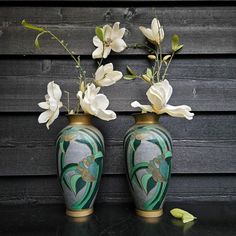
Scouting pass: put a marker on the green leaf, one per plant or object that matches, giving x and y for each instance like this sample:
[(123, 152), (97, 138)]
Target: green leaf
[(73, 182), (144, 181), (29, 26), (129, 77), (140, 165), (149, 73), (131, 71), (175, 42), (179, 47), (99, 33), (98, 155), (181, 214), (150, 185), (168, 154), (36, 42)]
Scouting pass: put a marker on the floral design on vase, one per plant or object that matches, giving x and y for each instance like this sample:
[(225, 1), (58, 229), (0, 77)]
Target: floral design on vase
[(148, 149), (80, 151)]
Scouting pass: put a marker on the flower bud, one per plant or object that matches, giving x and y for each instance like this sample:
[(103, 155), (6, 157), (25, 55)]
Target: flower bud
[(146, 78), (82, 87), (152, 57)]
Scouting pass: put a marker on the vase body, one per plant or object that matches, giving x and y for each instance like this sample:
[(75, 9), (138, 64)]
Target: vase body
[(148, 152), (80, 151)]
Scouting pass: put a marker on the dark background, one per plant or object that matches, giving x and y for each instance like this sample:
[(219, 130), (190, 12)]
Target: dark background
[(203, 76)]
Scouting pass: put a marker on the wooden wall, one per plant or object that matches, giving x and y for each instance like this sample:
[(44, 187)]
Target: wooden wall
[(203, 76)]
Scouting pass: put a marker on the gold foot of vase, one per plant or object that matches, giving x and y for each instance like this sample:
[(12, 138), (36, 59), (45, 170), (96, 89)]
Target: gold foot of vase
[(153, 213), (80, 213)]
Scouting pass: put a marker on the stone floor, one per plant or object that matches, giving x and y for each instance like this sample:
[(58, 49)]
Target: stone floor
[(118, 219)]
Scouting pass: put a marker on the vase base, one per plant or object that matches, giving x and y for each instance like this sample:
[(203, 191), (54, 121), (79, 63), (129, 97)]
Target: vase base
[(80, 213), (153, 213)]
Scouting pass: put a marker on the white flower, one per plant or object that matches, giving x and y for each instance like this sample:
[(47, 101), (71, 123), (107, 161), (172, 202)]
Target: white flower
[(52, 104), (106, 76), (112, 41), (159, 94), (155, 34), (95, 104)]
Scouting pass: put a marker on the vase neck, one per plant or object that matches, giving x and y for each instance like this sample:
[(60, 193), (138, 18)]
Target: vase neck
[(146, 118), (83, 119)]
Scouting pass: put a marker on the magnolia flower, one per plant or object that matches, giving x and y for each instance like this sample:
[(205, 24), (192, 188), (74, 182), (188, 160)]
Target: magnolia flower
[(155, 34), (52, 104), (95, 104), (106, 76), (159, 94), (112, 41)]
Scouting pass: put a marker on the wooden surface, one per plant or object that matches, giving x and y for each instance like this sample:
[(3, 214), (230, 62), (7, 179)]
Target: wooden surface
[(203, 76), (118, 219), (194, 25), (206, 84)]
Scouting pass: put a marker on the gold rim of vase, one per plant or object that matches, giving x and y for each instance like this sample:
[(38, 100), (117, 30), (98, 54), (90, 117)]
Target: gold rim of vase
[(146, 118), (153, 213), (80, 213), (80, 119)]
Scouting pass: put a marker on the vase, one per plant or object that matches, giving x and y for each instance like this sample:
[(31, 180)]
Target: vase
[(80, 151), (148, 153)]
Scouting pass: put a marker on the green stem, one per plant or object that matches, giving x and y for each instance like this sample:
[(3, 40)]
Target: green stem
[(156, 65), (166, 69), (141, 46), (64, 46), (160, 64), (77, 62), (68, 101)]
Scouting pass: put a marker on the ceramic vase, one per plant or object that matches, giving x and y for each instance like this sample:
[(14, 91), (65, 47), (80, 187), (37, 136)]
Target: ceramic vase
[(148, 153), (80, 151)]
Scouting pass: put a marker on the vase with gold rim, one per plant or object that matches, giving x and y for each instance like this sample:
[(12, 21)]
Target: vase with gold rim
[(148, 153), (80, 152)]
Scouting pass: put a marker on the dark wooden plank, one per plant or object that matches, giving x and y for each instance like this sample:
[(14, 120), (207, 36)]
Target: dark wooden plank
[(44, 190), (204, 145), (204, 84), (215, 26), (115, 1)]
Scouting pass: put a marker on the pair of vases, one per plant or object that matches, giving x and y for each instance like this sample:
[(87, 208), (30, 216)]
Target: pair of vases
[(148, 152)]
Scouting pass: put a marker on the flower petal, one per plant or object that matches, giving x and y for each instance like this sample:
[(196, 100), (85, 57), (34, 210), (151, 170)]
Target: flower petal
[(108, 67), (107, 32), (118, 45), (155, 98), (155, 27), (97, 53), (97, 42), (106, 114), (91, 91), (178, 111), (100, 102), (54, 90), (53, 104), (145, 108), (106, 52), (44, 116), (117, 32), (147, 33), (111, 78), (52, 118), (168, 89), (43, 105), (99, 74)]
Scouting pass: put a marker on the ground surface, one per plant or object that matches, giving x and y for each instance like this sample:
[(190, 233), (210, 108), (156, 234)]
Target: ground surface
[(118, 219)]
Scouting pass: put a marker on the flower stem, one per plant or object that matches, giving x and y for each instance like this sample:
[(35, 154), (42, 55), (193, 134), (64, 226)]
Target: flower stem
[(77, 62), (160, 64), (68, 101), (167, 67)]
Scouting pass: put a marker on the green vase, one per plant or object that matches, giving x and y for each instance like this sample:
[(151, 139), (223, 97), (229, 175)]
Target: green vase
[(148, 152), (80, 151)]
